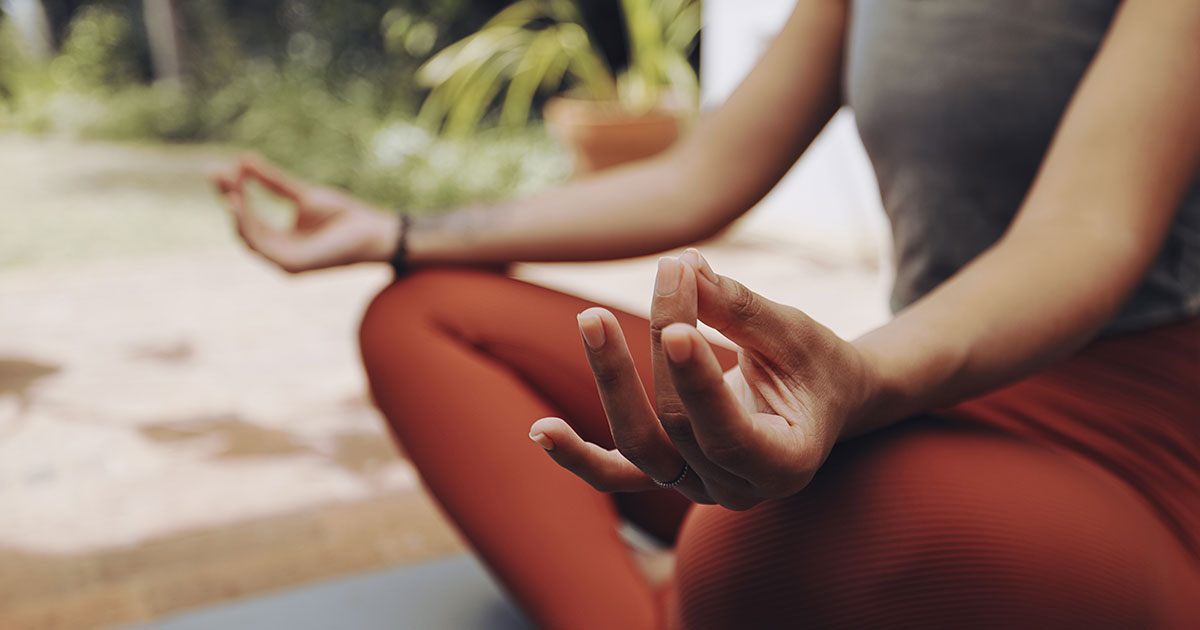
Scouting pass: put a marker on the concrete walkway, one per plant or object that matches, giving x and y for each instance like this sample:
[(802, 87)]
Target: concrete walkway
[(181, 424)]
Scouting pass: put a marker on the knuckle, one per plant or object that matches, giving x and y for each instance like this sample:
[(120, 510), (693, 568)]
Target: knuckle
[(744, 304), (671, 410), (680, 433), (660, 318), (657, 323), (637, 451), (605, 375)]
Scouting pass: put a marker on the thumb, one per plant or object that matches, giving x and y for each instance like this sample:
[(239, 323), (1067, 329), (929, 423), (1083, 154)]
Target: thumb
[(745, 317)]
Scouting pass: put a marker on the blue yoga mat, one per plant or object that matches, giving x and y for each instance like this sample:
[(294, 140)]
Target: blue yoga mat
[(451, 594)]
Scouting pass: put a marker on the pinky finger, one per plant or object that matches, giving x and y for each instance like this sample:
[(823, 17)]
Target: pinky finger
[(604, 470)]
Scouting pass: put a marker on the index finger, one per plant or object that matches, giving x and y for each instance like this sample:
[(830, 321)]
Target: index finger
[(674, 302), (274, 178), (225, 179), (727, 434)]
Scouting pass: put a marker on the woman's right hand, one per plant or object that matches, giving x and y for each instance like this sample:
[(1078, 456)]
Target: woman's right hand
[(331, 228)]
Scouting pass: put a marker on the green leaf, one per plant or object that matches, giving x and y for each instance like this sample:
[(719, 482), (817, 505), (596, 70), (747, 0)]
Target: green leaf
[(518, 50), (530, 73), (477, 92), (681, 31), (586, 63)]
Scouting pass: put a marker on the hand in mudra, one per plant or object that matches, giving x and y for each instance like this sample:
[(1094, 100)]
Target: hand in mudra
[(756, 433), (331, 227)]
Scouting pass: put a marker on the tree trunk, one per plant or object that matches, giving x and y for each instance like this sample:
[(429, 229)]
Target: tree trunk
[(164, 35)]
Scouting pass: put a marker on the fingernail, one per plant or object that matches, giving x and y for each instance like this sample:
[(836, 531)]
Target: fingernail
[(542, 440), (701, 264), (592, 330), (691, 258), (678, 344), (670, 272)]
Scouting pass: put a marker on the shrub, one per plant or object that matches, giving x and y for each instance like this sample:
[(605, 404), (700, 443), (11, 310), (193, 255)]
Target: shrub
[(324, 88)]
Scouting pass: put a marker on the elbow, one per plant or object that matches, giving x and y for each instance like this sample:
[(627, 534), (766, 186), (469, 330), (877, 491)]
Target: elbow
[(712, 200), (707, 219), (711, 227)]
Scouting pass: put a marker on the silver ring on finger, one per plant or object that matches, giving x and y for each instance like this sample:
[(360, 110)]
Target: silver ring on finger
[(674, 482)]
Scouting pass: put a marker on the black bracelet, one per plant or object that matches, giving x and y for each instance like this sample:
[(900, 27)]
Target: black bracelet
[(399, 259)]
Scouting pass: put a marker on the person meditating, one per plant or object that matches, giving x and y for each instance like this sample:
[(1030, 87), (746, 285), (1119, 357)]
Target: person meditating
[(1018, 447)]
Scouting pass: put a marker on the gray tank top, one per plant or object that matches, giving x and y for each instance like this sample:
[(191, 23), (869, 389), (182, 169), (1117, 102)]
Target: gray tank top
[(956, 102)]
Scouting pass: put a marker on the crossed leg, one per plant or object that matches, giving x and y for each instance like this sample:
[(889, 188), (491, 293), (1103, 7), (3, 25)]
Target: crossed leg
[(925, 524), (935, 525)]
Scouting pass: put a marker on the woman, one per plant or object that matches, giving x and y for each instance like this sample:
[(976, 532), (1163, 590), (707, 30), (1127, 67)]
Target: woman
[(1019, 446)]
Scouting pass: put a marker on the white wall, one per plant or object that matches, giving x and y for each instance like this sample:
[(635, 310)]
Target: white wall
[(828, 203)]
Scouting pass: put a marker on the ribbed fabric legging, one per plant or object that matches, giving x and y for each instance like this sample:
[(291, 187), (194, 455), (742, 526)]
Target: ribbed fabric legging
[(1071, 499)]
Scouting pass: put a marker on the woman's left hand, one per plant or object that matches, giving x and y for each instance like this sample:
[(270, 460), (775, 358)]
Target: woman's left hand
[(759, 432)]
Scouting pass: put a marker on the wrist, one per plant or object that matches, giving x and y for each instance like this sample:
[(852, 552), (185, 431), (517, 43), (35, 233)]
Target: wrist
[(879, 395), (384, 237)]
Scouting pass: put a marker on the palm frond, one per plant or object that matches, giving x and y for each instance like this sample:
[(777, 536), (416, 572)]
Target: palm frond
[(535, 45)]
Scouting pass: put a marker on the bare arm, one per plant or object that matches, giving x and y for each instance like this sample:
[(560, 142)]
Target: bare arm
[(1128, 148), (709, 178), (1091, 226), (692, 191)]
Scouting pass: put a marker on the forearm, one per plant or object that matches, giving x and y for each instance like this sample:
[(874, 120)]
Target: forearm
[(632, 210), (1030, 300)]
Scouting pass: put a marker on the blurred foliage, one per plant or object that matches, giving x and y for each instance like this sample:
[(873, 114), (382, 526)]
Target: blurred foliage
[(95, 53), (324, 87), (534, 45)]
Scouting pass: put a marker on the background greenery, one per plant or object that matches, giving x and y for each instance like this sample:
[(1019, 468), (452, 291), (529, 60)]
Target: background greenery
[(324, 87)]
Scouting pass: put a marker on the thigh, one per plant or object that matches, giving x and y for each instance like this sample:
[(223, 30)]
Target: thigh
[(928, 524)]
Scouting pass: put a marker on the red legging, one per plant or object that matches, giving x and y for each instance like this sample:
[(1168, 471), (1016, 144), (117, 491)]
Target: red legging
[(1071, 499)]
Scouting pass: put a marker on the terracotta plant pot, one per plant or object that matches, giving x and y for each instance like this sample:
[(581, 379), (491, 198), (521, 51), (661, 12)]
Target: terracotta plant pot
[(604, 134)]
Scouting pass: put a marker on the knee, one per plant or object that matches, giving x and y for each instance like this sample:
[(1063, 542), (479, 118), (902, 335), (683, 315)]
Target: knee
[(400, 308)]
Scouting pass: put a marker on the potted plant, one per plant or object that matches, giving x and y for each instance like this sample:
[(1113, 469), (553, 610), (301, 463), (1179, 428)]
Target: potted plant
[(535, 45)]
